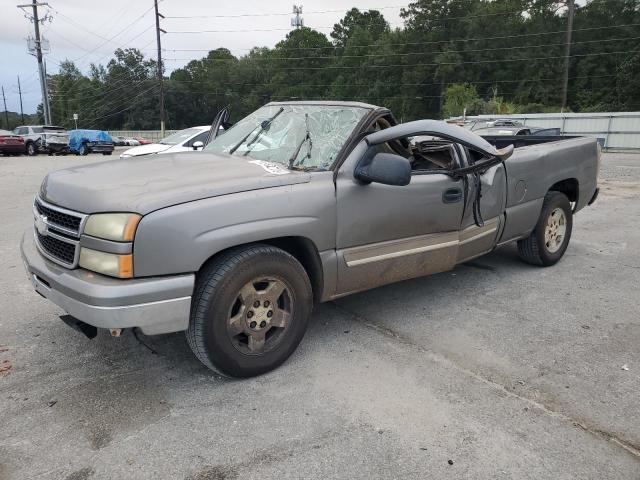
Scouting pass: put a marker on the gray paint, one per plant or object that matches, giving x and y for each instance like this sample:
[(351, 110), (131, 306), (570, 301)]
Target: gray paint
[(441, 129), (99, 290), (198, 204), (108, 246), (181, 238), (147, 183), (156, 305)]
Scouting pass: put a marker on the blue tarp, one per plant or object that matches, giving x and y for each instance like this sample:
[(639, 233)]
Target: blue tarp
[(78, 137)]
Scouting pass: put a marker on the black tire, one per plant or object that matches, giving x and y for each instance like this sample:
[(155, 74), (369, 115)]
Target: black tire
[(106, 153), (533, 249), (31, 149), (217, 288), (83, 150)]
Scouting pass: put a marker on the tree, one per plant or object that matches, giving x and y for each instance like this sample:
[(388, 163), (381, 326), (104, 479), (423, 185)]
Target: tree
[(371, 20), (459, 97)]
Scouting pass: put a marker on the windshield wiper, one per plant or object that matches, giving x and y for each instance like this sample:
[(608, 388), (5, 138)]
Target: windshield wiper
[(307, 138), (264, 125)]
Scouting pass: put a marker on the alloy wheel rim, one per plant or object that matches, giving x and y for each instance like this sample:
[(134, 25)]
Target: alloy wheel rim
[(260, 315), (555, 230)]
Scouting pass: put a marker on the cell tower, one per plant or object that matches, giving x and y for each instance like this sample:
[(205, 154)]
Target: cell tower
[(297, 21)]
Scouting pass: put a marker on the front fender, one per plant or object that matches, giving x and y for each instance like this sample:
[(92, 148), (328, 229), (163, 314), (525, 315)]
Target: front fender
[(179, 239)]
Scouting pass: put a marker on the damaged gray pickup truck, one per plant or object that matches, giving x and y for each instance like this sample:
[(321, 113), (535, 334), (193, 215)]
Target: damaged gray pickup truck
[(297, 203)]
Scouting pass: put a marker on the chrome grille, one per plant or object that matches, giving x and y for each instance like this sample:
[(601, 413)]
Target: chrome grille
[(58, 217), (65, 252), (57, 232)]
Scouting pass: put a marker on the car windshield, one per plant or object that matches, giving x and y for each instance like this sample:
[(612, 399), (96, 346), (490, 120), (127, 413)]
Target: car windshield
[(294, 135), (181, 136)]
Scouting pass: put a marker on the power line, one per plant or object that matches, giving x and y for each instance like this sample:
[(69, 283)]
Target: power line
[(395, 85), (242, 15), (470, 62), (128, 100), (316, 12), (432, 42), (105, 39), (405, 54)]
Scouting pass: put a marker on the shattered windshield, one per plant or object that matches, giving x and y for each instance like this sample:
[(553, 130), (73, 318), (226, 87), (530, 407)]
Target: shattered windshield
[(303, 136)]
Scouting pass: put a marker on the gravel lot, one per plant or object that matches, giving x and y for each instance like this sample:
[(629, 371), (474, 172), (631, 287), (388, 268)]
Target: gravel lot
[(497, 370)]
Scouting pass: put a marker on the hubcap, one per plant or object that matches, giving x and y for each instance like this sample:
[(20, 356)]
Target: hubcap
[(260, 314), (555, 230)]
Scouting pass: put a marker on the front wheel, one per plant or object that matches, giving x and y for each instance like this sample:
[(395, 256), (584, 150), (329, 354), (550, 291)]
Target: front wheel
[(550, 238), (83, 150), (250, 310)]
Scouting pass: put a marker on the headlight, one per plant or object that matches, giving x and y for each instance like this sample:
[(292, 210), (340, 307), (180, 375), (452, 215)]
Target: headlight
[(120, 227), (120, 266)]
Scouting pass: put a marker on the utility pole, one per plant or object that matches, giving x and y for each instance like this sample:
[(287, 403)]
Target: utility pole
[(160, 81), (297, 21), (38, 48), (567, 52), (46, 86), (20, 93), (6, 115)]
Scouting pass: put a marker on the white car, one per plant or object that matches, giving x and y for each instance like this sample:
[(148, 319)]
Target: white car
[(131, 142), (43, 138), (182, 141)]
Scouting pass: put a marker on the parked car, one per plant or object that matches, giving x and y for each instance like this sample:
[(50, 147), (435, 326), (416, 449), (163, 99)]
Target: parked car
[(143, 141), (119, 141), (11, 144), (182, 141), (131, 142), (83, 142), (509, 127), (43, 138), (298, 203)]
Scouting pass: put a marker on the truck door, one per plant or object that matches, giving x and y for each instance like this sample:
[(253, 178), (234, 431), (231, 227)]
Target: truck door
[(476, 240), (389, 233)]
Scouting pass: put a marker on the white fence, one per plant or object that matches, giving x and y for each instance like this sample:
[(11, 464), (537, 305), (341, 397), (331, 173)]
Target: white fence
[(153, 135), (619, 130)]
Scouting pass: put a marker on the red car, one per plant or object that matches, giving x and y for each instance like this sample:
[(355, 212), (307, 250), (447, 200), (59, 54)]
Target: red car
[(143, 141), (11, 144)]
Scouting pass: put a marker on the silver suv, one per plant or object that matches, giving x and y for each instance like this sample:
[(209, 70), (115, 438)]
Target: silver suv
[(43, 138)]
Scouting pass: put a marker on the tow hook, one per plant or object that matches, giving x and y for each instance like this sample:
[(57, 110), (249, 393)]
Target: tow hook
[(115, 332)]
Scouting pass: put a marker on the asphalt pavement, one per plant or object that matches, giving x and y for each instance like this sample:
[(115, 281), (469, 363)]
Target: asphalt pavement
[(497, 370)]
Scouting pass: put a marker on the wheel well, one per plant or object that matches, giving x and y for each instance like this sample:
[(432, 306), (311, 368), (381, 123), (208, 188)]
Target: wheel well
[(569, 187), (303, 250)]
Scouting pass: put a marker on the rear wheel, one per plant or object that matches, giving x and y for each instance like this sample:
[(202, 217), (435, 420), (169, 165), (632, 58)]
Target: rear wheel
[(32, 150), (550, 238), (250, 310), (83, 150)]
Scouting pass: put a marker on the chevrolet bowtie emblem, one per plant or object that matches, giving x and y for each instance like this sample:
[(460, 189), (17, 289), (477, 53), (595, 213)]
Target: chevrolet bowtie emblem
[(41, 225)]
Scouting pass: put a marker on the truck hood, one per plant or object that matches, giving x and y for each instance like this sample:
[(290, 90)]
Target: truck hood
[(146, 149), (148, 183)]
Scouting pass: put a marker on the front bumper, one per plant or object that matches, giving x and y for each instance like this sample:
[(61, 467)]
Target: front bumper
[(156, 305)]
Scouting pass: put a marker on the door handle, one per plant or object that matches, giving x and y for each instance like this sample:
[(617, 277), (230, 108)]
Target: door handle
[(452, 195)]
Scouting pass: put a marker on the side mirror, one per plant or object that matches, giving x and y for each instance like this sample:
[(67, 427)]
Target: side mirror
[(197, 145), (385, 168)]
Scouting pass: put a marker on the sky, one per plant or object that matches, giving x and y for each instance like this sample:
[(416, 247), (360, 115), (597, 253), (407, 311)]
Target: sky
[(89, 31)]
